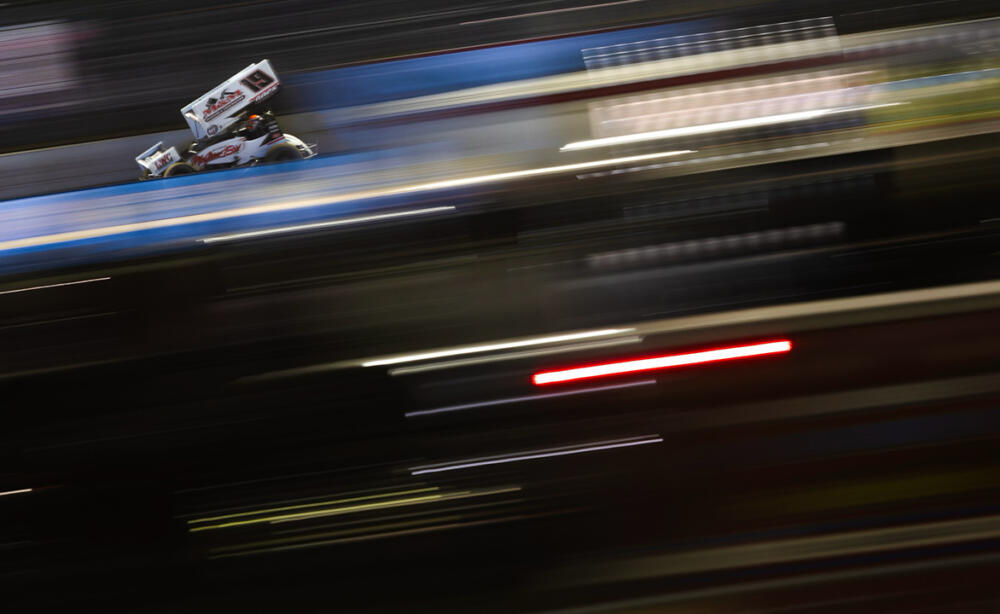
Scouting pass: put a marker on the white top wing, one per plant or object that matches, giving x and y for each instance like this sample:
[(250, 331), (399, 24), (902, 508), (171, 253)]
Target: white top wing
[(215, 111)]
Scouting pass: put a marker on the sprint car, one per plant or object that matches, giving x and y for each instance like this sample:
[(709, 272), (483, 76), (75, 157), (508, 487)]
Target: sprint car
[(232, 126)]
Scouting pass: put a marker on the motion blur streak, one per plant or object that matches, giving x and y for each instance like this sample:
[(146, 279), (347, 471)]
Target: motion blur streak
[(441, 524), (15, 492), (822, 546), (449, 364), (92, 233), (328, 512), (532, 397), (595, 446), (464, 362), (352, 509), (67, 283), (661, 362), (553, 11), (317, 539), (307, 505), (735, 124), (351, 220), (475, 349), (451, 496), (534, 172)]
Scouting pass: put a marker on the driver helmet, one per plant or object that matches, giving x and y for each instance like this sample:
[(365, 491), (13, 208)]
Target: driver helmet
[(254, 122)]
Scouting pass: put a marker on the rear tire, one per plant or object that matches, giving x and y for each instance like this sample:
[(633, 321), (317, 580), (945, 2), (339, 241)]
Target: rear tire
[(178, 168), (283, 152)]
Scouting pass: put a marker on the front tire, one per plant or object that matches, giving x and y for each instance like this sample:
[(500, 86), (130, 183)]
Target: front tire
[(283, 152), (178, 168)]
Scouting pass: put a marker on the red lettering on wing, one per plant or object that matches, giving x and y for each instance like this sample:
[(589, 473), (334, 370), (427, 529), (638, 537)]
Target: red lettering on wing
[(222, 104), (211, 156)]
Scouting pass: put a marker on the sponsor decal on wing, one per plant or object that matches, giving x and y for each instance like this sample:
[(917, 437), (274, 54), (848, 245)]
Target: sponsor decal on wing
[(210, 156), (228, 99)]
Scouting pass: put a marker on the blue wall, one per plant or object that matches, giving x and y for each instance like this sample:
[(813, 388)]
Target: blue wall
[(421, 76)]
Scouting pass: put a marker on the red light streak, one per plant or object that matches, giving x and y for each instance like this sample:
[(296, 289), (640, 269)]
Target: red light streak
[(661, 362)]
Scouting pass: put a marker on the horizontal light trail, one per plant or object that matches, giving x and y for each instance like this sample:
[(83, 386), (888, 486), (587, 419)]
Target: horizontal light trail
[(15, 492), (351, 509), (341, 222), (301, 506), (314, 538), (551, 12), (769, 321), (67, 283), (596, 446), (787, 551), (306, 203), (545, 170), (480, 360), (661, 362), (475, 349), (741, 156), (736, 124), (378, 505), (444, 523), (443, 497), (531, 397)]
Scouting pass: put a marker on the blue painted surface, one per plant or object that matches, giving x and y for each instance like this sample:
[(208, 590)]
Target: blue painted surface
[(421, 76), (223, 191)]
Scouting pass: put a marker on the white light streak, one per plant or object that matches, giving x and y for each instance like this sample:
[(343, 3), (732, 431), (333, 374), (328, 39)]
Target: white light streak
[(739, 155), (398, 503), (15, 492), (536, 13), (474, 349), (341, 222), (565, 451), (68, 283), (530, 397), (479, 360), (736, 124), (545, 170)]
